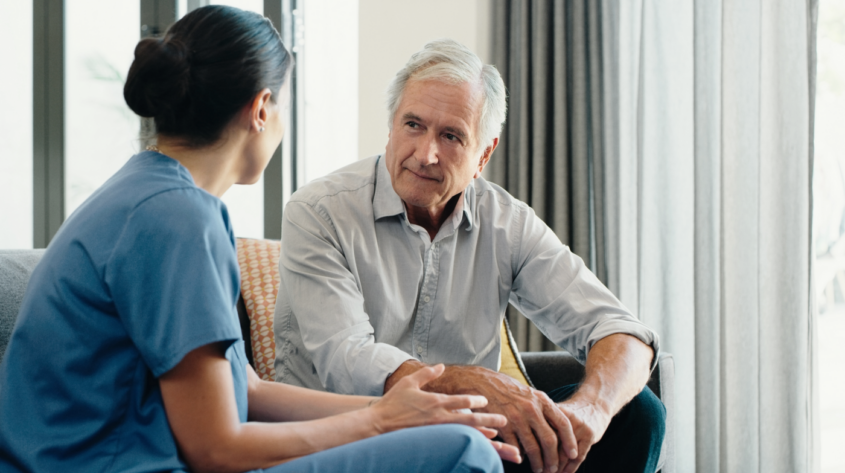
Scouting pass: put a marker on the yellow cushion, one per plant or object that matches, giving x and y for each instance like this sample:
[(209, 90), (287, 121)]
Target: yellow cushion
[(508, 364)]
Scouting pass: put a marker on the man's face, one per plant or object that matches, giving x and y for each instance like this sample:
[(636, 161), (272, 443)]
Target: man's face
[(432, 152)]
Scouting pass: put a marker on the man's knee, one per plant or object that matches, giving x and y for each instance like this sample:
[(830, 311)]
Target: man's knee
[(645, 418)]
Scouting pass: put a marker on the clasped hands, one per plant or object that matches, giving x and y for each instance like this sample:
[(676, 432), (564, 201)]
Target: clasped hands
[(555, 437), (407, 404)]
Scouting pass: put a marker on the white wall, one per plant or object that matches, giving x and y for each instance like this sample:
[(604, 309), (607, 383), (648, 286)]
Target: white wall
[(353, 48), (389, 32), (330, 86)]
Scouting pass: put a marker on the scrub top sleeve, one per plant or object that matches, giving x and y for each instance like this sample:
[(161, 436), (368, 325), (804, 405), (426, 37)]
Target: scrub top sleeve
[(173, 276)]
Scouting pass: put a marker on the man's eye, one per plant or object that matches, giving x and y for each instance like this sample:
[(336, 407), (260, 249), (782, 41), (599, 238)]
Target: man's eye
[(412, 124), (451, 137)]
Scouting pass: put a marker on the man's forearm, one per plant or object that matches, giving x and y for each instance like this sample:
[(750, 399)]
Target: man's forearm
[(617, 369)]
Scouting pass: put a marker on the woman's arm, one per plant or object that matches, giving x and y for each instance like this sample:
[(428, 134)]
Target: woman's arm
[(279, 402), (200, 403)]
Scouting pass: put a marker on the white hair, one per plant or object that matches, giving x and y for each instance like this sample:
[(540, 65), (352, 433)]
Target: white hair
[(452, 62)]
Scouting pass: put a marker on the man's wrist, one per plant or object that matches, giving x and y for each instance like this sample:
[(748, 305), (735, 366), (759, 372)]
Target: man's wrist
[(406, 368), (588, 395)]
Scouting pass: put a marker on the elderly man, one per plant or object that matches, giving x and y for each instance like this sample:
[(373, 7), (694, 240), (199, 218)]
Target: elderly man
[(410, 258)]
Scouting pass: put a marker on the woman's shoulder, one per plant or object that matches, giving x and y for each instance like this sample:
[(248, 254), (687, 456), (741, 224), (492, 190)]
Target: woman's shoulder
[(155, 198), (153, 176), (180, 211), (152, 187)]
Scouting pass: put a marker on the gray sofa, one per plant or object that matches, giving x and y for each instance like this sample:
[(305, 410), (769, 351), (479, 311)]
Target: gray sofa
[(545, 370)]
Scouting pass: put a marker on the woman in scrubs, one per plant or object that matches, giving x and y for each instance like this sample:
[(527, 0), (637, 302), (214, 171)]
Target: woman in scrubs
[(127, 355)]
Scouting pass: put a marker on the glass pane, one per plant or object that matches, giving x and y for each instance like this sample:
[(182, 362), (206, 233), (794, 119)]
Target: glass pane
[(246, 203), (16, 125), (829, 231), (101, 132), (251, 5)]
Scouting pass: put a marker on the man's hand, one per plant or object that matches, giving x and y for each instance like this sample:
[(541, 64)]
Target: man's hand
[(617, 369), (534, 421), (589, 423)]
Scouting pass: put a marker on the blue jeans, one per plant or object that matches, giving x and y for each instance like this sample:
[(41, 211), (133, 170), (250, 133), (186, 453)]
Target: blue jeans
[(431, 449), (631, 443)]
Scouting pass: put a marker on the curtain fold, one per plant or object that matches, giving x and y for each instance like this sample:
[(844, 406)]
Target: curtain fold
[(669, 144), (550, 153), (709, 168)]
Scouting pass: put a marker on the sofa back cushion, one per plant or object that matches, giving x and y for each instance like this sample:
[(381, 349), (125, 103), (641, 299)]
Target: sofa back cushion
[(260, 282), (15, 268), (259, 265)]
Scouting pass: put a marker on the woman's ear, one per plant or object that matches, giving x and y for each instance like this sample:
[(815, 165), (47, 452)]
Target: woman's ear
[(258, 112)]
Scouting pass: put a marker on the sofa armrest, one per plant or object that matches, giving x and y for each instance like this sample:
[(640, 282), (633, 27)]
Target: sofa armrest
[(548, 370), (15, 268), (243, 319), (662, 382)]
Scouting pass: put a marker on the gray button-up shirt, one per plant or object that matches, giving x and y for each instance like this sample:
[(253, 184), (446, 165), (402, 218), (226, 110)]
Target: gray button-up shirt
[(363, 290)]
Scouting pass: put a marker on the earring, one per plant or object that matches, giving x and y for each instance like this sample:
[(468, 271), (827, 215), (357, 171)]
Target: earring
[(260, 129)]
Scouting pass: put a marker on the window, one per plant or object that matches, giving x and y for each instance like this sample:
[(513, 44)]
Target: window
[(246, 203), (101, 132), (250, 5), (16, 211), (829, 231)]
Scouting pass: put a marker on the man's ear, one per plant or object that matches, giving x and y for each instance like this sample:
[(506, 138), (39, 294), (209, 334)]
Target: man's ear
[(485, 157), (258, 110)]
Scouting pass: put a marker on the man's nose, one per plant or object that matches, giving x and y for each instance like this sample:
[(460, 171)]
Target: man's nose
[(427, 152)]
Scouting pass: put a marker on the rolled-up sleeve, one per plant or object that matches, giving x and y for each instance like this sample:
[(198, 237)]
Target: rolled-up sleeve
[(554, 289), (327, 302)]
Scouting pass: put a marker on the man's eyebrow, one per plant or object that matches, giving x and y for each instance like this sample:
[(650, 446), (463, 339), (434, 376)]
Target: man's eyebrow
[(457, 132), (411, 116), (449, 129)]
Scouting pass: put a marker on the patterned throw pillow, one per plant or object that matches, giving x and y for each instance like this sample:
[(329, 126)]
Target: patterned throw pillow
[(259, 263)]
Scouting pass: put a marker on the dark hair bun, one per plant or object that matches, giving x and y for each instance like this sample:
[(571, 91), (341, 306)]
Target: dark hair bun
[(206, 68), (159, 78)]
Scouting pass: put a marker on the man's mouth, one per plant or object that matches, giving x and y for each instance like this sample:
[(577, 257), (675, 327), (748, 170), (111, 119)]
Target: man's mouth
[(423, 176)]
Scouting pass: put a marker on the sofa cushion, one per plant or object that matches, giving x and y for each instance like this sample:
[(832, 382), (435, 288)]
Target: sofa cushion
[(259, 265), (15, 269), (510, 362)]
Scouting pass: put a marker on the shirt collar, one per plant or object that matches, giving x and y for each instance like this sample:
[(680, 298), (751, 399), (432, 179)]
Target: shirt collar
[(387, 203)]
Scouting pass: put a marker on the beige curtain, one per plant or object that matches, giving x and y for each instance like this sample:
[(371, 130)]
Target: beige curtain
[(708, 138), (669, 143), (551, 151)]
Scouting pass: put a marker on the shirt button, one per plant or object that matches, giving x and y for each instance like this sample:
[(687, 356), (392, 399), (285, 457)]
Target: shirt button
[(419, 350), (427, 299)]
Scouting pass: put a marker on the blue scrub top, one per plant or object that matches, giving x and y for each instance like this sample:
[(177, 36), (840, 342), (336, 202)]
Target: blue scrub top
[(141, 274)]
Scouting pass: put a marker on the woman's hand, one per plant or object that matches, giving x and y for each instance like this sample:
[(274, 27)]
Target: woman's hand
[(407, 405)]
